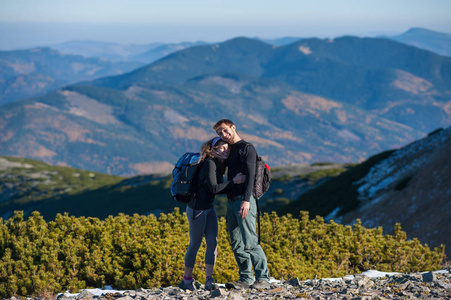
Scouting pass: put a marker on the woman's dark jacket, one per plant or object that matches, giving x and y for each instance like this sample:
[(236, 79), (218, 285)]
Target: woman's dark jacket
[(210, 182)]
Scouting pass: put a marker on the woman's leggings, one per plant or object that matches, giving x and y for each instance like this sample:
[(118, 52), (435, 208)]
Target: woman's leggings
[(205, 223)]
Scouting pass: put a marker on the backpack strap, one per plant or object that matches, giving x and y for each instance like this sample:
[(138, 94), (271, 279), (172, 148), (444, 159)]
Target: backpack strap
[(258, 220)]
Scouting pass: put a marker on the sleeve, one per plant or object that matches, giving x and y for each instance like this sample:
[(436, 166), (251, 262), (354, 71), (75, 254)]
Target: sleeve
[(250, 160), (212, 182)]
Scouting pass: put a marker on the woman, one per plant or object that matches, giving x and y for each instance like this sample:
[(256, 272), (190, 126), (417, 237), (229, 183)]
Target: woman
[(201, 212)]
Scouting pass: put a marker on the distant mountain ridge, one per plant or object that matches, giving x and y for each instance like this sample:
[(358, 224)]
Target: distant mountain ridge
[(163, 50), (27, 73), (19, 85), (315, 100), (142, 53), (434, 41), (105, 50)]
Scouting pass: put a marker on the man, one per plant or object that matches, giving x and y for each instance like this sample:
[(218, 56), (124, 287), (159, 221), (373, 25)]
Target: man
[(242, 211)]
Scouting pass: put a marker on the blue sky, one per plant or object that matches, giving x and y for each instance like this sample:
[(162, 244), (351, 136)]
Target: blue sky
[(27, 23)]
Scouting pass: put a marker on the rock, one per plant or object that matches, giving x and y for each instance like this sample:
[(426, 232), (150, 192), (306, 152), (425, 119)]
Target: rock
[(85, 294), (218, 293), (197, 284), (293, 282), (399, 278), (235, 295), (400, 286), (125, 298), (429, 277), (365, 283), (416, 277)]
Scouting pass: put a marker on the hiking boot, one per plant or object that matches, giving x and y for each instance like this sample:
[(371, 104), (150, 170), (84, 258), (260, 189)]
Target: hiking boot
[(210, 284), (187, 285), (237, 285), (261, 284)]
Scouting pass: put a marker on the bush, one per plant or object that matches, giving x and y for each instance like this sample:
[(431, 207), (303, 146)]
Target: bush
[(41, 258)]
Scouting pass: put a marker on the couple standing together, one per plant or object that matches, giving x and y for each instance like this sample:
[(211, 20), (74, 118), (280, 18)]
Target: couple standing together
[(240, 157)]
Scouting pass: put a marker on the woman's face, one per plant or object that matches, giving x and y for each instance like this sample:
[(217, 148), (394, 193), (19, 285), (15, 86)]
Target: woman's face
[(222, 150)]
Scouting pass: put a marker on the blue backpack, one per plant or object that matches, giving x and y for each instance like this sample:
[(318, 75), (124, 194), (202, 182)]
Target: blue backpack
[(184, 177)]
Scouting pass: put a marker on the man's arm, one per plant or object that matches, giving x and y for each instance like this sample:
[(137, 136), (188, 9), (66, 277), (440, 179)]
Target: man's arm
[(249, 160)]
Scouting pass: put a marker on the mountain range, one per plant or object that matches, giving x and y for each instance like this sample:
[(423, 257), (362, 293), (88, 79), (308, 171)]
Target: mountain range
[(434, 41), (105, 50), (115, 52), (426, 39), (314, 100), (387, 78), (34, 72)]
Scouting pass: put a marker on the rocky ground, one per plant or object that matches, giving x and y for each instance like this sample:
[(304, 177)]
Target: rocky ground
[(358, 287)]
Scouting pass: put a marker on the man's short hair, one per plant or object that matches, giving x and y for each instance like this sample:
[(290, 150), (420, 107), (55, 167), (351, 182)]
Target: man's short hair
[(223, 121)]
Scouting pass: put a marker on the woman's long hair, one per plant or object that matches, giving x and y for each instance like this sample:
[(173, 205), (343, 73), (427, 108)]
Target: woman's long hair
[(206, 150)]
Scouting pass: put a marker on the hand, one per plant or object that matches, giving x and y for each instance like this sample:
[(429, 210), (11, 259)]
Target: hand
[(244, 208), (239, 178)]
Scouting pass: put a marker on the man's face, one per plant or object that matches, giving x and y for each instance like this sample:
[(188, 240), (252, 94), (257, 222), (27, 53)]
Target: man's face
[(226, 133)]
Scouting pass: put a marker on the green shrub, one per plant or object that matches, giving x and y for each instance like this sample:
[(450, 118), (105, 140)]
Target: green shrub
[(42, 258)]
